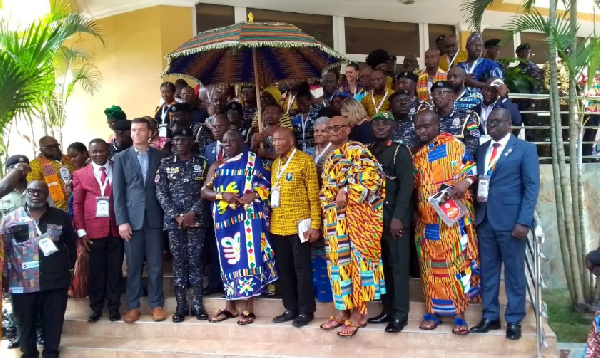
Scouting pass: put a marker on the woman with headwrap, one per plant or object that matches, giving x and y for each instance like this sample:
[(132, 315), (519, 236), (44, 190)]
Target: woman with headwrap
[(478, 69), (113, 114)]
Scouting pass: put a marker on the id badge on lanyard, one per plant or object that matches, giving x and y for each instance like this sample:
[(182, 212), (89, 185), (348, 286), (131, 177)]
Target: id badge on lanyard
[(483, 188), (275, 196), (65, 175), (102, 207)]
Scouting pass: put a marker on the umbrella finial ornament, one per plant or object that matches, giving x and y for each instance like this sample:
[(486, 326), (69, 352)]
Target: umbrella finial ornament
[(250, 17)]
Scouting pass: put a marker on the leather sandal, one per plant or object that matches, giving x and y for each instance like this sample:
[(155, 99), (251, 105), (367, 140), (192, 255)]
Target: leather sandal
[(460, 327), (221, 316), (247, 318), (426, 326), (327, 325), (348, 324)]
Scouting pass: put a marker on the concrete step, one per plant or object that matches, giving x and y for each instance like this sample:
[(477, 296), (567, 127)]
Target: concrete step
[(103, 347), (264, 332), (270, 307)]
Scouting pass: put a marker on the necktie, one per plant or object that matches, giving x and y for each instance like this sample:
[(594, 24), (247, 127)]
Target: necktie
[(103, 175), (221, 153), (495, 147)]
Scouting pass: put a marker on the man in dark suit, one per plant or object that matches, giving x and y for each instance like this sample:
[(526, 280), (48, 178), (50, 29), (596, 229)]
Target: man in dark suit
[(495, 95), (508, 189), (140, 219), (94, 219), (215, 150)]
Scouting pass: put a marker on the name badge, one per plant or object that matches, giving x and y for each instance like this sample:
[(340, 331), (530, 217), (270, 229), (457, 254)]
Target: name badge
[(275, 196), (483, 188), (102, 207), (47, 246), (162, 131), (64, 174)]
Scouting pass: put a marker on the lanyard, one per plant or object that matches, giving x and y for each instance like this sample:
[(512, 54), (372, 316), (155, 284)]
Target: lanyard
[(37, 228), (318, 157), (281, 170), (453, 58), (469, 69), (492, 163), (304, 125), (377, 108)]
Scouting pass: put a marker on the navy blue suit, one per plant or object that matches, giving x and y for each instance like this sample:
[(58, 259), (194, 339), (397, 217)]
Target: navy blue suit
[(513, 194), (515, 114), (210, 152)]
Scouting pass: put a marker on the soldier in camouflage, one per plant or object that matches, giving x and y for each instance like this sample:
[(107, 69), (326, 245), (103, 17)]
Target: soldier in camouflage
[(463, 124), (179, 180)]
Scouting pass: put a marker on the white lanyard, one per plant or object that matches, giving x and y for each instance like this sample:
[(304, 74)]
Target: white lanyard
[(281, 170), (453, 58), (37, 228), (377, 108), (484, 116), (105, 184), (304, 125), (165, 110), (290, 103), (318, 157)]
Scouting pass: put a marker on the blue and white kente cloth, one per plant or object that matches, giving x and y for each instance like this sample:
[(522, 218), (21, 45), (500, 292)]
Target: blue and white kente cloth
[(246, 257), (483, 69)]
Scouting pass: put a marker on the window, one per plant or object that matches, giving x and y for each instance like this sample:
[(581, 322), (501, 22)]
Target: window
[(397, 38), (507, 49), (539, 46), (318, 26), (213, 16), (436, 30)]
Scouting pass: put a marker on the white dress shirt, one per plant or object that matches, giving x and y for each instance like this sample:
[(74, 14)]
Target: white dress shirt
[(503, 142)]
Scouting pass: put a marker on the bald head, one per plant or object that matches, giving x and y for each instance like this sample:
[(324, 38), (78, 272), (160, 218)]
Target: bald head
[(427, 126), (283, 141), (457, 76), (432, 59), (50, 148)]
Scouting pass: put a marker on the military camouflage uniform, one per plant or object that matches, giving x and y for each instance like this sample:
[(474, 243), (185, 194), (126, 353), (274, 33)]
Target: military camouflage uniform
[(463, 125), (178, 185)]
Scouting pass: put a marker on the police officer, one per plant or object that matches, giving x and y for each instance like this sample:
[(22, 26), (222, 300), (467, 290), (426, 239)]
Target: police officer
[(179, 180), (397, 164), (181, 118), (463, 124), (405, 128)]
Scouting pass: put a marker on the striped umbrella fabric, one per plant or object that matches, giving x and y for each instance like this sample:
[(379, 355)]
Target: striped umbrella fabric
[(226, 55)]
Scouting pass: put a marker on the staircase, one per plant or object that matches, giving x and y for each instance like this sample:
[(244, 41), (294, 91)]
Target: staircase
[(194, 338)]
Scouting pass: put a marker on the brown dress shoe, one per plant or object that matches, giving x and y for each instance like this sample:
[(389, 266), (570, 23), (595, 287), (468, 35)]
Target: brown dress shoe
[(132, 316), (159, 314)]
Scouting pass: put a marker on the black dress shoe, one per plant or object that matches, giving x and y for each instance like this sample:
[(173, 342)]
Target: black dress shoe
[(114, 316), (382, 318), (395, 326), (94, 316), (302, 320), (513, 331), (15, 342), (485, 326), (200, 314), (286, 316)]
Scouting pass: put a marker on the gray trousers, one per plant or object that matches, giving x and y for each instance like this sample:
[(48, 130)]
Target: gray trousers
[(148, 243)]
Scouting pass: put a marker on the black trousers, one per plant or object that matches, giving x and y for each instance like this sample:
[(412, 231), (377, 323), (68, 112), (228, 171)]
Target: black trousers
[(51, 305), (214, 276), (396, 268), (294, 266), (106, 260)]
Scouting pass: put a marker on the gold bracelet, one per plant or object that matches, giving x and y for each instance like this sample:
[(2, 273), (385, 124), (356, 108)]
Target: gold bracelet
[(219, 196)]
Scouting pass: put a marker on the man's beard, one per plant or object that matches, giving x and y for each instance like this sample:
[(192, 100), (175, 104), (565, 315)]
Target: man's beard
[(36, 205)]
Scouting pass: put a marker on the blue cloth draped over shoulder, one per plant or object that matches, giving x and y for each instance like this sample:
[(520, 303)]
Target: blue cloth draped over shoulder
[(245, 253), (483, 69)]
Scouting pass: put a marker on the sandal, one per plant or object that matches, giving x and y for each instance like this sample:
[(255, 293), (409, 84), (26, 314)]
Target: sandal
[(460, 327), (247, 318), (349, 324), (430, 322), (221, 316), (327, 325)]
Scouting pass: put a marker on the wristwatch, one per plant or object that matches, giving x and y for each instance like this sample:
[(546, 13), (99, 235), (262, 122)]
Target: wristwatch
[(219, 196)]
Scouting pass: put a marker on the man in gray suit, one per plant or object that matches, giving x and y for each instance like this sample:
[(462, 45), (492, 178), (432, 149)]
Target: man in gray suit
[(139, 216)]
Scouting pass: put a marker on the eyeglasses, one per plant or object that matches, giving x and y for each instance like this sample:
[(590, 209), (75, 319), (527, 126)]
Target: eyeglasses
[(335, 128), (496, 122), (51, 146), (34, 192)]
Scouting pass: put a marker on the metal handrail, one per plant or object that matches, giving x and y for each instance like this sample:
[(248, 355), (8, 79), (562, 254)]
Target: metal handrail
[(535, 282)]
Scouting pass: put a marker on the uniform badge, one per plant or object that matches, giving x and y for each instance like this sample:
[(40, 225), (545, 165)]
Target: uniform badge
[(289, 176), (197, 168), (455, 121), (157, 178)]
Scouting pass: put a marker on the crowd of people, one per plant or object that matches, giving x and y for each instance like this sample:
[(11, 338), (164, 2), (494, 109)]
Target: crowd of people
[(329, 193)]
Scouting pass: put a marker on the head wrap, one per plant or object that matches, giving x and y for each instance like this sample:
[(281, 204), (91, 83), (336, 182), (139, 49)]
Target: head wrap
[(115, 112), (385, 116), (15, 159), (474, 37), (275, 92)]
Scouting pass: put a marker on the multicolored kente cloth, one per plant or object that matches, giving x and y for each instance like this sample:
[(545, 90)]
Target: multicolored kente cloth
[(353, 233), (448, 256), (245, 253), (424, 86), (592, 348), (49, 171)]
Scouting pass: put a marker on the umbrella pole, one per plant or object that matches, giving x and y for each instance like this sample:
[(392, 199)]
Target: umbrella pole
[(258, 104)]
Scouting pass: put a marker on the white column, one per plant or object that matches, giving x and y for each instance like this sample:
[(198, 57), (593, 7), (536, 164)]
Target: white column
[(339, 34), (239, 14), (423, 43), (194, 24), (516, 40)]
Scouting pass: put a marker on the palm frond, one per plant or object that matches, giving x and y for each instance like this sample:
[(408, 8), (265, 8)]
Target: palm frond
[(88, 77), (473, 12)]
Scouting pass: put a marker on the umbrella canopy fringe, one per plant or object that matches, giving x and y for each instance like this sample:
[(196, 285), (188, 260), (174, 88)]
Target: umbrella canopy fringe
[(257, 44)]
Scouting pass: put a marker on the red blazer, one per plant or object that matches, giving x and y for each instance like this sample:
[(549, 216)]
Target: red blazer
[(85, 191)]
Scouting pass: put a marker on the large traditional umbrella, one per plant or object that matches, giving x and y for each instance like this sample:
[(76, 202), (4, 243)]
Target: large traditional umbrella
[(255, 53)]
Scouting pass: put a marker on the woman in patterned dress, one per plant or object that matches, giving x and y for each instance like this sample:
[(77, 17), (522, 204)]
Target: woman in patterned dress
[(239, 189)]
